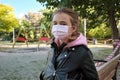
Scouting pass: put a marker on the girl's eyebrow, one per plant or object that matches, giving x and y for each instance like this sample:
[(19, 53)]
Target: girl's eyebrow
[(62, 22)]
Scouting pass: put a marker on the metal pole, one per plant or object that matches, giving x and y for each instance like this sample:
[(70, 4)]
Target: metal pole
[(84, 27), (13, 35)]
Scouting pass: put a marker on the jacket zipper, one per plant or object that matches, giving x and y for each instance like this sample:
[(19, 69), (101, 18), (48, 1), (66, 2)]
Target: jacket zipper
[(64, 61), (53, 75)]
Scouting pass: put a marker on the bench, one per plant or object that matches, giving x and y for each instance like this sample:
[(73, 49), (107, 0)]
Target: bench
[(108, 70), (107, 41)]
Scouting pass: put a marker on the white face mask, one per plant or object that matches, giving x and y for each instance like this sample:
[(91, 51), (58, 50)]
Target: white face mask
[(60, 31)]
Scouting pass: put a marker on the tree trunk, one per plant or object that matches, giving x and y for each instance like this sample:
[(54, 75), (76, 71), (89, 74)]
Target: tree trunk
[(114, 29)]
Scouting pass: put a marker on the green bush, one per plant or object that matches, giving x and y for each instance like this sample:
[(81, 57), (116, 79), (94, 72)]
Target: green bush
[(101, 32)]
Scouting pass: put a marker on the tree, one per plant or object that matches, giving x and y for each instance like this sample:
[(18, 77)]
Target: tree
[(7, 19), (118, 25), (101, 32), (112, 11), (92, 9), (30, 23)]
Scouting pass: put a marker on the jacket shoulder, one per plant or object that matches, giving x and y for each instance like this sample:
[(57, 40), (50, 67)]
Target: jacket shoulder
[(83, 50), (80, 48)]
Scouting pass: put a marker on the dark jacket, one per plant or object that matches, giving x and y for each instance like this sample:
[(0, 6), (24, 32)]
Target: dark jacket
[(75, 63), (70, 63)]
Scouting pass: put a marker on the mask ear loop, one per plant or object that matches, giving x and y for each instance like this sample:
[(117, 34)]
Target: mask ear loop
[(73, 36)]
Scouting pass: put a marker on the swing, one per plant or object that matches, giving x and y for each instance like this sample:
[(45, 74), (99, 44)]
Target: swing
[(21, 39), (43, 39), (40, 39), (46, 39)]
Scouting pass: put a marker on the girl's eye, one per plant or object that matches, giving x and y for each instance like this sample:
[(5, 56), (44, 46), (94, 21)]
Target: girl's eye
[(54, 23), (63, 23), (60, 23)]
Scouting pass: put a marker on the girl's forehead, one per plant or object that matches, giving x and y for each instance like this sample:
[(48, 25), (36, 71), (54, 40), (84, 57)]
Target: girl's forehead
[(61, 16)]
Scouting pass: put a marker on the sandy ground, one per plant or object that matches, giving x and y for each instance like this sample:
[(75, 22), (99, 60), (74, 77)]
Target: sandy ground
[(24, 63)]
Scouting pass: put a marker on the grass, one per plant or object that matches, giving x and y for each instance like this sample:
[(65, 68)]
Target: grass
[(5, 42), (102, 54), (3, 49), (21, 66)]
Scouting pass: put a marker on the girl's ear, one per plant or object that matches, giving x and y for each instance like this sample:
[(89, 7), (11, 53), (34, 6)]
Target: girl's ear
[(74, 28)]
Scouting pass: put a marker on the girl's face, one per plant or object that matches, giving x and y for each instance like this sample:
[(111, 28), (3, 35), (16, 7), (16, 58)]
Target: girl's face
[(64, 19)]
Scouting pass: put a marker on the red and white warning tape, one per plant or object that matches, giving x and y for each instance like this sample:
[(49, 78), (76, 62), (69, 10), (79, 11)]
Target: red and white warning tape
[(110, 56)]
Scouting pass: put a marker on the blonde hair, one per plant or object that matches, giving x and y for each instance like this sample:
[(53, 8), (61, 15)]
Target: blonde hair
[(74, 20)]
